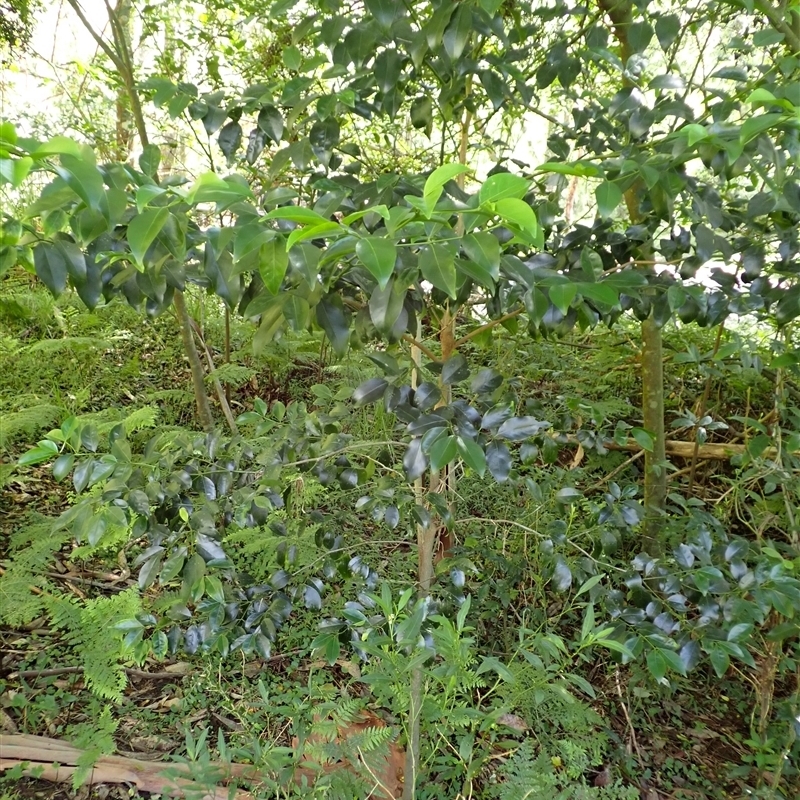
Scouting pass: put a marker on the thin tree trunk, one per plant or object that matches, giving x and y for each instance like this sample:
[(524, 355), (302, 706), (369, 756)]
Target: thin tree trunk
[(204, 415), (655, 472), (121, 57), (620, 14)]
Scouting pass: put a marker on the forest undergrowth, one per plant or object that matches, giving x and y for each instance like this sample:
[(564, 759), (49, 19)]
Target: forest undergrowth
[(523, 700)]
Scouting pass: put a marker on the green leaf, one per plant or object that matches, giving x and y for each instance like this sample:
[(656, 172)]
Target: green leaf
[(378, 255), (62, 466), (656, 664), (599, 292), (498, 459), (436, 181), (273, 260), (437, 265), (15, 170), (472, 453), (582, 169), (292, 57), (150, 159), (44, 451), (608, 196), (644, 439), (422, 113), (442, 452), (519, 214), (84, 179), (326, 228), (298, 214), (142, 231), (502, 185), (271, 122), (668, 27), (230, 139), (562, 295), (384, 11), (51, 267), (455, 370), (210, 188), (331, 318), (457, 35), (386, 305)]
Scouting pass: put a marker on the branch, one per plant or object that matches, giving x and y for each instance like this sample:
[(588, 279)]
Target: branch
[(488, 326), (407, 337)]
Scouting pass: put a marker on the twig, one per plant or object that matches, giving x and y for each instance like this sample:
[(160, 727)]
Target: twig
[(628, 720), (616, 471)]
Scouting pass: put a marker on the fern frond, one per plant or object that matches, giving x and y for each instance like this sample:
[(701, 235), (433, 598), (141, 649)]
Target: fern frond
[(27, 421), (54, 346), (231, 374)]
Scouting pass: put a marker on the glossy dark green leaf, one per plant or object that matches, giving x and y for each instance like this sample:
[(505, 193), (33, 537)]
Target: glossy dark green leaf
[(483, 249), (256, 142), (378, 255), (426, 396), (414, 461), (517, 429), (271, 122), (51, 267), (457, 34), (332, 319), (386, 305), (437, 265), (230, 139), (385, 12), (323, 137), (498, 460), (668, 27), (562, 575), (455, 370), (442, 452), (370, 391), (472, 453), (640, 34), (422, 113), (62, 466), (85, 180)]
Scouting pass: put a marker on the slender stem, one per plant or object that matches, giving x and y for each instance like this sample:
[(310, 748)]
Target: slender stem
[(701, 411), (204, 414)]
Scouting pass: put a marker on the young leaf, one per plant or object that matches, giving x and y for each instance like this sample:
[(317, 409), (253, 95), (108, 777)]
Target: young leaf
[(378, 255), (142, 231), (273, 261), (436, 181), (503, 185), (562, 295), (84, 179), (520, 215)]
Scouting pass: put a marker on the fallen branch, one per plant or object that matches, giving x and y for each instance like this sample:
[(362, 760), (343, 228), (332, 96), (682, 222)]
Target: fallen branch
[(57, 761), (721, 451)]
